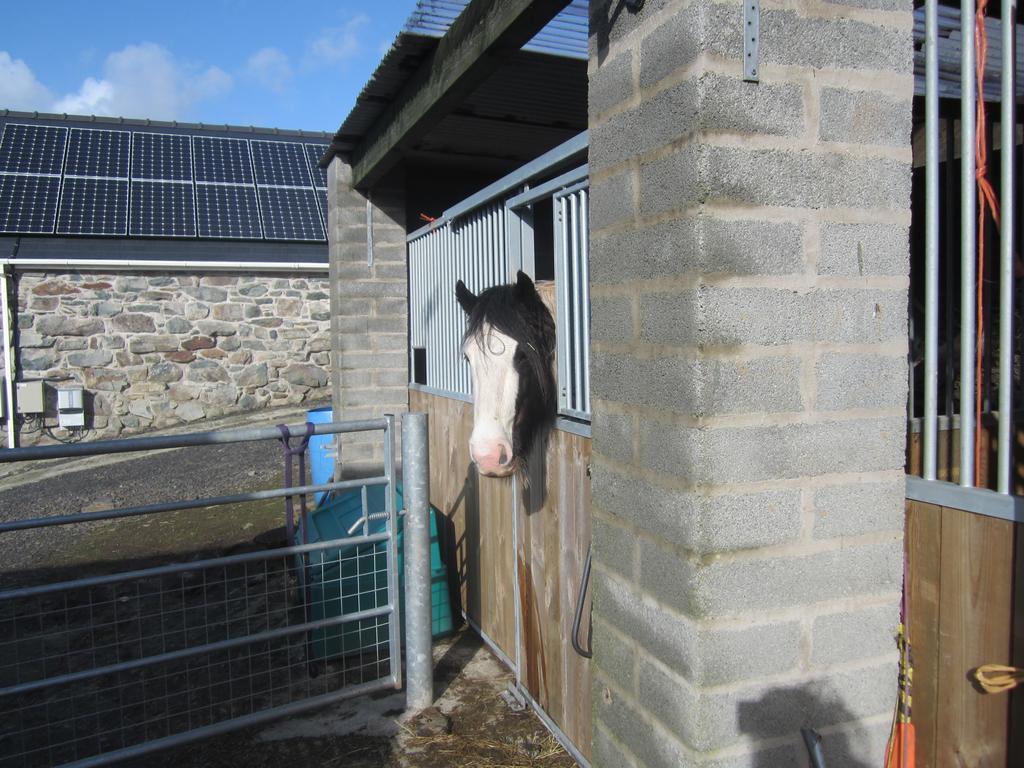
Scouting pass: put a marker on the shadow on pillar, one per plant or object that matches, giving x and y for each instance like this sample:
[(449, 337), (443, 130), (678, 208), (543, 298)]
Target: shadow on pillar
[(784, 711)]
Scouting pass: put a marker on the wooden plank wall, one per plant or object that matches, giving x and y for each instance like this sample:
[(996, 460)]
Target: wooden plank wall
[(553, 523), (963, 610), (553, 538), (477, 515)]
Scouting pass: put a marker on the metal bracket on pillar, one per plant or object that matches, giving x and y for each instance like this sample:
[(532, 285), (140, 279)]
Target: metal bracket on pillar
[(751, 39)]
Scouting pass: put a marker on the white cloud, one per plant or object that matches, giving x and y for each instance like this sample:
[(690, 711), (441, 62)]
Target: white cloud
[(339, 43), (95, 97), (19, 88), (145, 81), (271, 68)]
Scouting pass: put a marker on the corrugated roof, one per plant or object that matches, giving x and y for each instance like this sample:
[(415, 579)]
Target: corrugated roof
[(565, 35), (534, 102)]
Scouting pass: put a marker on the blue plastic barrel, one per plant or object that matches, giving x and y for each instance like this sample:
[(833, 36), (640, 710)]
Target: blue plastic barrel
[(321, 462)]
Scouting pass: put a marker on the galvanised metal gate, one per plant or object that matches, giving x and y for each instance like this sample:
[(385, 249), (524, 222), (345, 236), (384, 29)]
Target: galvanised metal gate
[(115, 665)]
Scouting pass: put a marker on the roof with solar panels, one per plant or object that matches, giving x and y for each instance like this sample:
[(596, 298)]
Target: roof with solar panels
[(146, 188)]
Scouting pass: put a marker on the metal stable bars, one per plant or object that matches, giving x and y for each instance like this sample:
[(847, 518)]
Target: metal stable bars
[(483, 241), (942, 31), (113, 665), (572, 276)]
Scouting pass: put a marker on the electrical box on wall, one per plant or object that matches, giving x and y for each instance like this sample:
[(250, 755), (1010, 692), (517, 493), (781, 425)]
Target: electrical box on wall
[(30, 397), (70, 407)]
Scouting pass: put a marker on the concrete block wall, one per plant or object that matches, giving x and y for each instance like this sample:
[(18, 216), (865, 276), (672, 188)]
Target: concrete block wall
[(369, 313), (749, 265)]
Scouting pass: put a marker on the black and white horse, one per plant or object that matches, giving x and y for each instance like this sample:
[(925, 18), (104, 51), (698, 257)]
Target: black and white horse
[(510, 345)]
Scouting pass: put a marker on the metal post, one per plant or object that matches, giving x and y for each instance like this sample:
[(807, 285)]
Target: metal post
[(968, 238), (1007, 151), (391, 553), (931, 242), (416, 474)]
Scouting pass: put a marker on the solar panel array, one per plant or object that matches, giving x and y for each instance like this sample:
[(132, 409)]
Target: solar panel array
[(88, 181)]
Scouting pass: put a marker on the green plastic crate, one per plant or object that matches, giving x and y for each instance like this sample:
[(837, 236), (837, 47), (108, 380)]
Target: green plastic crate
[(351, 579)]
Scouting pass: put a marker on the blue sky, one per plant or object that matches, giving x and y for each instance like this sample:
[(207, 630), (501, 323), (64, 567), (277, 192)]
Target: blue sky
[(286, 64)]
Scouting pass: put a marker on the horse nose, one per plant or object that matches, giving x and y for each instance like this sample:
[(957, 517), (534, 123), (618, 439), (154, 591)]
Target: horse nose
[(494, 457)]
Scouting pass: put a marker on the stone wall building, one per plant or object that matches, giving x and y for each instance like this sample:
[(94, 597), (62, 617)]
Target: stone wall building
[(160, 350), (175, 272)]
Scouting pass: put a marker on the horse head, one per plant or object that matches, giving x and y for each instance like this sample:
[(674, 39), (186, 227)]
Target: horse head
[(510, 345)]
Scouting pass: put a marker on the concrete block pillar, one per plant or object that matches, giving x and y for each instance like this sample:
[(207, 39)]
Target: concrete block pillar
[(749, 247), (369, 311)]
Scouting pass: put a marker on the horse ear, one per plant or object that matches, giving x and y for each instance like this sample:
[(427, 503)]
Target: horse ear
[(524, 285), (465, 297)]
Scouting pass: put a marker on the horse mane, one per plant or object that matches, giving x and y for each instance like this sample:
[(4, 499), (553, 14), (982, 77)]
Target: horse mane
[(524, 316)]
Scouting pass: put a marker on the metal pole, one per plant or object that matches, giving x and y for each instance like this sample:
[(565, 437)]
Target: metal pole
[(187, 440), (419, 666), (1007, 149), (931, 242), (968, 237), (391, 549)]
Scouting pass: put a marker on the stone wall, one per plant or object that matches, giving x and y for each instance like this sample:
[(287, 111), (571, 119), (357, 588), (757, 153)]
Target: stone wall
[(749, 266), (157, 350)]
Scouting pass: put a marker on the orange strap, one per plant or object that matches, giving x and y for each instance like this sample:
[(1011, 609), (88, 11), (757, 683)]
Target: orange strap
[(986, 200)]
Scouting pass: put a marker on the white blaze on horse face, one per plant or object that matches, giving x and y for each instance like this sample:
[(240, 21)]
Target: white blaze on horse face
[(495, 385)]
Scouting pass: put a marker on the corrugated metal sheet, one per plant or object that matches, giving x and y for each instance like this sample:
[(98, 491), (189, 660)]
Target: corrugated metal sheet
[(534, 102), (565, 35)]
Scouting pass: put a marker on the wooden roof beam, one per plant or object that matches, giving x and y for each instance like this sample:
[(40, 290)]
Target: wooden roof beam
[(474, 47)]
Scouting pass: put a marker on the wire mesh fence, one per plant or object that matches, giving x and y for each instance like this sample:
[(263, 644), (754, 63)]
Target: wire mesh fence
[(87, 670), (111, 665)]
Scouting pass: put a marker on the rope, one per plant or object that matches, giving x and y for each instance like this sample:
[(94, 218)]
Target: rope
[(997, 678), (289, 453), (986, 201)]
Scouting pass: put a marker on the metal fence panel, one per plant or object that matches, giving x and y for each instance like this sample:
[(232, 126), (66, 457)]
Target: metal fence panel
[(980, 360), (115, 664)]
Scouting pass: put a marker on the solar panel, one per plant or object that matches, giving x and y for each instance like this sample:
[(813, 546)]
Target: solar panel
[(222, 160), (321, 198), (313, 153), (94, 152), (161, 156), (290, 214), (280, 163), (28, 203), (91, 206), (32, 148), (228, 211), (163, 209)]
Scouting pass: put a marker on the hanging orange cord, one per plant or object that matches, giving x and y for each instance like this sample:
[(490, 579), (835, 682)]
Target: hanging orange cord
[(986, 200), (901, 749)]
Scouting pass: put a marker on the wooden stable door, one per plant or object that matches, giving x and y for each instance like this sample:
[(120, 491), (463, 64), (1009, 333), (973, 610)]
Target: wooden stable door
[(966, 608), (515, 558)]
